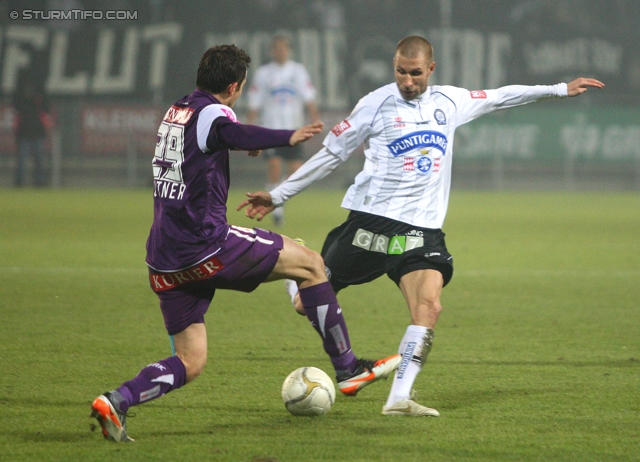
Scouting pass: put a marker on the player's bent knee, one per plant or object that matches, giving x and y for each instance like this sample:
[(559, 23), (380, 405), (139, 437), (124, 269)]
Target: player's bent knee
[(430, 306), (434, 306), (194, 371), (317, 262), (194, 365), (317, 267)]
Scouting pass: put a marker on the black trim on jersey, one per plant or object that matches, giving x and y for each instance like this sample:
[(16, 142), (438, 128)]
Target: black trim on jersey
[(411, 105), (379, 106), (447, 98)]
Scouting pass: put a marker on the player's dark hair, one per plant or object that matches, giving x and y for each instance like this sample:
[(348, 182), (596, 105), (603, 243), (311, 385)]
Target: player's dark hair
[(414, 45), (220, 66)]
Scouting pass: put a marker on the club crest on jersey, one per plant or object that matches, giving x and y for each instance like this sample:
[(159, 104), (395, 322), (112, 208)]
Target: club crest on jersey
[(417, 140), (424, 165), (441, 119)]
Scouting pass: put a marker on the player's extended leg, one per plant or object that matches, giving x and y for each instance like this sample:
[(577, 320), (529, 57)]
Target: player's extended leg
[(291, 287), (155, 380), (191, 348), (421, 290), (306, 267)]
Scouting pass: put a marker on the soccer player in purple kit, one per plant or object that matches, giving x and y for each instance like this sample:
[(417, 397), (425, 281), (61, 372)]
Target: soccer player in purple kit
[(192, 250)]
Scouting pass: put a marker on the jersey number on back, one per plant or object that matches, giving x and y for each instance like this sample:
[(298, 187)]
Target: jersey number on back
[(168, 158)]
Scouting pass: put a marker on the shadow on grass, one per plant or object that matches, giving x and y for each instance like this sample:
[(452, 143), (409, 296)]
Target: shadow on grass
[(467, 399), (561, 362), (54, 437), (10, 401)]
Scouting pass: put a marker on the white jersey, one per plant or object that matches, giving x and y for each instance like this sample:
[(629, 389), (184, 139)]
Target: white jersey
[(408, 148), (280, 92)]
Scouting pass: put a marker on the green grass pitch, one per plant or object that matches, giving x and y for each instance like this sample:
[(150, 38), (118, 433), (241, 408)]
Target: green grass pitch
[(536, 357)]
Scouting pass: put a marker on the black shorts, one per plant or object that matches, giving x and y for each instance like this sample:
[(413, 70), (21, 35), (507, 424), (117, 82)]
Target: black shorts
[(367, 246), (287, 153)]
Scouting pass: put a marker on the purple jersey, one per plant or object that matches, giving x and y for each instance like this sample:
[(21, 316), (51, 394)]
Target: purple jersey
[(191, 178)]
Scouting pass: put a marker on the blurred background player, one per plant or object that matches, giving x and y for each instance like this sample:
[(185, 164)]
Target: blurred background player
[(398, 202), (279, 93), (34, 120), (192, 251)]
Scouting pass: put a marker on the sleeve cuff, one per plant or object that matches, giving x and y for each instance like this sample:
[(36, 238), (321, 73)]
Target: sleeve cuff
[(562, 90), (276, 198)]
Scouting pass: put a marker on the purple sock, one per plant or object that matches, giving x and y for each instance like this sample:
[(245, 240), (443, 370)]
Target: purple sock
[(153, 381), (322, 309)]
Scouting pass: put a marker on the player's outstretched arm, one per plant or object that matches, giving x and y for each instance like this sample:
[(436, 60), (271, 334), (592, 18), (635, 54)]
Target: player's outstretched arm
[(258, 205), (579, 85), (305, 133)]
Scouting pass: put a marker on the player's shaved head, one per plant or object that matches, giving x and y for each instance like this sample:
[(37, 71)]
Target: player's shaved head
[(413, 47), (413, 65)]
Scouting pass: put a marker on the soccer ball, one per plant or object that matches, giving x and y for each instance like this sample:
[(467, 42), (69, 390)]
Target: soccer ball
[(308, 391)]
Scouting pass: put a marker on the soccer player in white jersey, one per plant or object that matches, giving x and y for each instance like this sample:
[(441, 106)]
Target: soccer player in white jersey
[(399, 201), (280, 92)]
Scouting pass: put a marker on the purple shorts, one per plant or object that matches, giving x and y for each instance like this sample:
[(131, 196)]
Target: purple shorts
[(243, 262)]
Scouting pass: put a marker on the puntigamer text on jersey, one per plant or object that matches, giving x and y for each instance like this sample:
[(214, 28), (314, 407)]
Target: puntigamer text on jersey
[(417, 140)]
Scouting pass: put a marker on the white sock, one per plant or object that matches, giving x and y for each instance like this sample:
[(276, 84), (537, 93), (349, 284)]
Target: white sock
[(292, 289), (411, 343)]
